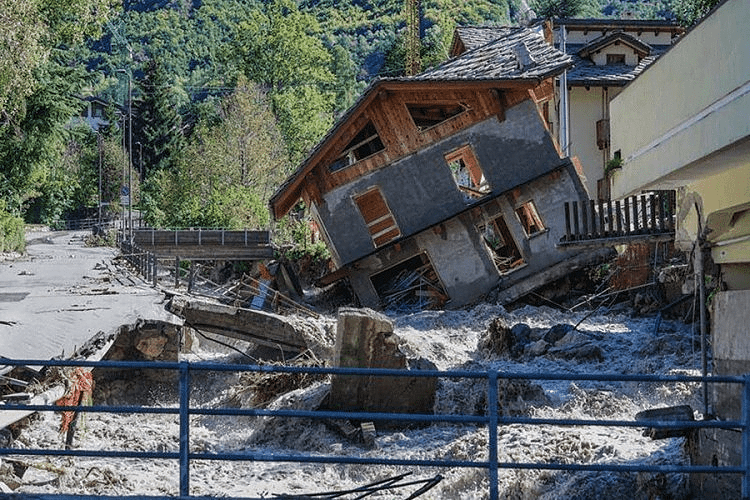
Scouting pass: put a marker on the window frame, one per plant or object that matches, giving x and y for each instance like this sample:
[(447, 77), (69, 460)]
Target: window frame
[(348, 156), (621, 58), (422, 129), (465, 155), (504, 263), (530, 212)]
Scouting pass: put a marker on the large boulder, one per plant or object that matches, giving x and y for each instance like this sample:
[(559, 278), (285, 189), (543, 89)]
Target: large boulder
[(365, 339)]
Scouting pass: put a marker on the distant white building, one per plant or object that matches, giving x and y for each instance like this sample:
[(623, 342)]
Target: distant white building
[(93, 114)]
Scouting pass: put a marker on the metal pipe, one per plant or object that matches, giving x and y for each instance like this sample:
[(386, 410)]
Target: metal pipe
[(564, 110)]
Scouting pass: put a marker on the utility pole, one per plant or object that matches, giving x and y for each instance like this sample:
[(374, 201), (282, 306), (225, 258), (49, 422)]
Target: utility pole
[(413, 41), (99, 147)]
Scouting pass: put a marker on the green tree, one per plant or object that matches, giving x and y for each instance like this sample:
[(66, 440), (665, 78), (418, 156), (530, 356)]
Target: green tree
[(689, 12), (565, 8), (278, 48), (227, 171), (29, 31), (158, 123), (32, 145)]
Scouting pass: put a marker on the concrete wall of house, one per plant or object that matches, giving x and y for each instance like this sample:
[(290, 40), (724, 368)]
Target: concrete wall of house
[(420, 189), (692, 102), (600, 57), (731, 349), (585, 111), (652, 37), (457, 251), (586, 108)]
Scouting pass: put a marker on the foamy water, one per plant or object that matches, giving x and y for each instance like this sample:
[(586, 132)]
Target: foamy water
[(449, 339)]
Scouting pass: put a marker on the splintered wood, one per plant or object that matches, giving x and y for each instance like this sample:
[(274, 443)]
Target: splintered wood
[(415, 287)]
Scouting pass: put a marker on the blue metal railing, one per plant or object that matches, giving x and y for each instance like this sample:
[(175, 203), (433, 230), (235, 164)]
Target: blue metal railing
[(492, 420)]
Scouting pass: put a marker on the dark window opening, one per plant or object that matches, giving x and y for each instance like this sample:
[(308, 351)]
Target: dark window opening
[(410, 285), (529, 218), (378, 217), (501, 245), (615, 58), (466, 172), (366, 143), (427, 116)]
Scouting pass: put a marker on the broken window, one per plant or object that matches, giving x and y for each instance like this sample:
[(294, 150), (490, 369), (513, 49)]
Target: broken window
[(501, 245), (529, 218), (366, 143), (615, 58), (412, 284), (378, 217), (467, 173), (427, 116)]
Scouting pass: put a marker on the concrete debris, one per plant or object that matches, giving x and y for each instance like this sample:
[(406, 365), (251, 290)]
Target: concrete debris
[(259, 327), (675, 414), (365, 339), (145, 340)]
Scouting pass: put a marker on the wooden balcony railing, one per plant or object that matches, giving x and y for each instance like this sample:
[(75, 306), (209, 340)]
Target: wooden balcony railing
[(642, 217)]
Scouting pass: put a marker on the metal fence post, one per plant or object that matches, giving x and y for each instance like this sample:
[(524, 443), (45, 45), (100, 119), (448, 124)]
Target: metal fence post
[(184, 429), (746, 437), (155, 269), (492, 431)]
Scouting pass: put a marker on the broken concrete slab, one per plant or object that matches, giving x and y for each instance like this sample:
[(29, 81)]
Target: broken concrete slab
[(144, 340), (365, 339), (250, 325)]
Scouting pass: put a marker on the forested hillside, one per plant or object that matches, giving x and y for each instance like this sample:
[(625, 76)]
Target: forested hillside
[(226, 96)]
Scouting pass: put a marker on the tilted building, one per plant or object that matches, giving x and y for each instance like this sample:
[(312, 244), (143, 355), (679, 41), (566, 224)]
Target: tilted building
[(437, 188)]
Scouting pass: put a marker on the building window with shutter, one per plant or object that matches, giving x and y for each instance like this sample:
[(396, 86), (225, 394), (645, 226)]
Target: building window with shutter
[(378, 217), (467, 173), (529, 218)]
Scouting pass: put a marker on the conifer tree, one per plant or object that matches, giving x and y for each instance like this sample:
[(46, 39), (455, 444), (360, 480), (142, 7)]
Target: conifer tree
[(158, 125)]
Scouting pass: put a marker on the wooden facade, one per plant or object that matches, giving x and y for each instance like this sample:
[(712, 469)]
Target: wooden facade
[(389, 113)]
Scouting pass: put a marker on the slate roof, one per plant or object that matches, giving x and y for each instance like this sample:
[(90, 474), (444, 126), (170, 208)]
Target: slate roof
[(473, 37), (585, 72), (500, 59)]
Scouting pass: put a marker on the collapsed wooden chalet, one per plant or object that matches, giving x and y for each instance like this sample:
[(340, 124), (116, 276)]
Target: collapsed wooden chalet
[(433, 190)]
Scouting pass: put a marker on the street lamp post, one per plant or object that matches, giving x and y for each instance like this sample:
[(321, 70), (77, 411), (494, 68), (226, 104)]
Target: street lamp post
[(130, 153)]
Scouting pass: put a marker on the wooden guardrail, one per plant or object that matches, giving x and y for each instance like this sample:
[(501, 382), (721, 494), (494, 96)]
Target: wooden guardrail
[(646, 216)]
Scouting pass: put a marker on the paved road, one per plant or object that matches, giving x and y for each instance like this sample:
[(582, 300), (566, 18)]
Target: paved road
[(62, 293)]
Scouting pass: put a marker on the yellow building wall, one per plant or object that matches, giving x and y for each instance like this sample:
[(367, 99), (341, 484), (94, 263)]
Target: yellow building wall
[(694, 101)]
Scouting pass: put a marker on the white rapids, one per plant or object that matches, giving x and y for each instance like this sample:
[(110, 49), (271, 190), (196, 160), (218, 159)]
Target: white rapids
[(449, 339)]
